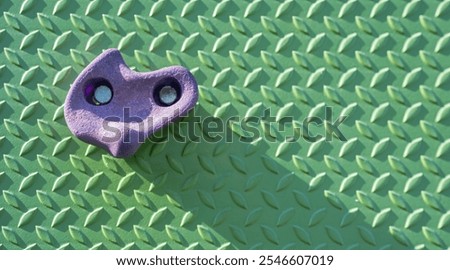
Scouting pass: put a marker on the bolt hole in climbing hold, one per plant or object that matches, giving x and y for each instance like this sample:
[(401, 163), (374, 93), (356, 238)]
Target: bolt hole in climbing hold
[(98, 92), (167, 92)]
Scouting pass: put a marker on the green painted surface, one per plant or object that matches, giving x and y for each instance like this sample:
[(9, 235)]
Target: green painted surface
[(384, 64)]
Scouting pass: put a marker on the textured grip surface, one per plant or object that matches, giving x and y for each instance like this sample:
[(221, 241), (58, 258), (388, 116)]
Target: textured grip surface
[(384, 64)]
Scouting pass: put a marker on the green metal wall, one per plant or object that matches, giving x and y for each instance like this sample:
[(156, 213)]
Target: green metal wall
[(384, 64)]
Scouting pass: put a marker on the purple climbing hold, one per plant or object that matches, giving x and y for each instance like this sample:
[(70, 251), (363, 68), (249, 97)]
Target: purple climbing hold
[(113, 107)]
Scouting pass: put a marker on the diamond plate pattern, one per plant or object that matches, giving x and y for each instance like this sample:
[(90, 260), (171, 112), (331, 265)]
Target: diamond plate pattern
[(381, 63)]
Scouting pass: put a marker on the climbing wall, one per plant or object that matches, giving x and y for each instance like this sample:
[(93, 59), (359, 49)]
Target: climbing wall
[(383, 64)]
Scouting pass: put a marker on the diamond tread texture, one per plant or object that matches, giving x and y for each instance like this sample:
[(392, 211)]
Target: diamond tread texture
[(382, 63)]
